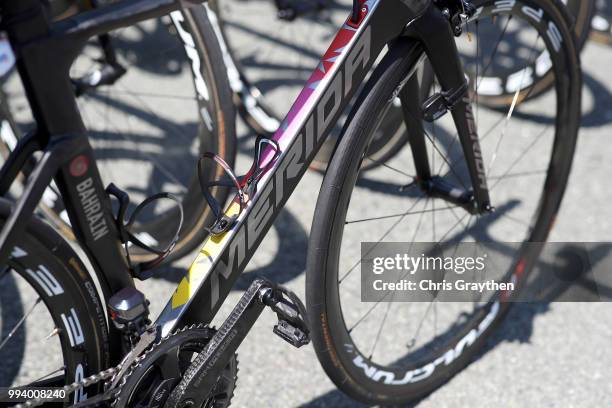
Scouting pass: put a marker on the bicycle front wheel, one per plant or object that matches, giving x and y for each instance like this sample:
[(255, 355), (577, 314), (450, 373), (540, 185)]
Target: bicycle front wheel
[(395, 352)]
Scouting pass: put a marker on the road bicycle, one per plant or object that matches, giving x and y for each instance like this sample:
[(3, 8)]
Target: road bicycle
[(503, 183), (152, 96), (264, 75)]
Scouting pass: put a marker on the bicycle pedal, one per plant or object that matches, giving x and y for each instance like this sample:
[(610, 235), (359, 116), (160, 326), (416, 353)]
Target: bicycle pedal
[(291, 334), (292, 325)]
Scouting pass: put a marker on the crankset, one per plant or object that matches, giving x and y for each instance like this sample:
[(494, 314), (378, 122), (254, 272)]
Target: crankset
[(200, 381), (152, 377), (197, 366)]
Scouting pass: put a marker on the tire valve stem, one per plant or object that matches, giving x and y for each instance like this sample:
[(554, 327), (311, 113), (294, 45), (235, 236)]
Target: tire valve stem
[(54, 332)]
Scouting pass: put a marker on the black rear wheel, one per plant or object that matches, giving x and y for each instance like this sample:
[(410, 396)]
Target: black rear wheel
[(395, 352), (52, 323)]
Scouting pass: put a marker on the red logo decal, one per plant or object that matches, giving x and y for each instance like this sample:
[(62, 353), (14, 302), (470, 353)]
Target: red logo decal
[(79, 166)]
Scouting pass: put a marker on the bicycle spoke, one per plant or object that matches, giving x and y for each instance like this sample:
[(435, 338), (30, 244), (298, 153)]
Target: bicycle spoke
[(155, 95), (414, 338), (521, 157), (451, 167), (382, 325), (387, 166), (495, 49), (516, 220), (433, 210), (519, 174), (453, 227), (19, 323), (433, 220), (44, 380), (380, 240), (175, 129), (389, 292), (147, 156), (53, 332)]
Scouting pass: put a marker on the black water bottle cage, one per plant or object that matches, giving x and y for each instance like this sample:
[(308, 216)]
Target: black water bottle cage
[(124, 225), (245, 188)]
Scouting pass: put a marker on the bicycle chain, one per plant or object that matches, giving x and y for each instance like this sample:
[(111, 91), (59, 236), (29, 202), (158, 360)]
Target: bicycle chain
[(129, 372), (70, 388), (124, 369), (145, 342)]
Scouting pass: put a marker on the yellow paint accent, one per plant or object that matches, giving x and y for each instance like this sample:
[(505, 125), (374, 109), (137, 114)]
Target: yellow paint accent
[(200, 266), (181, 294)]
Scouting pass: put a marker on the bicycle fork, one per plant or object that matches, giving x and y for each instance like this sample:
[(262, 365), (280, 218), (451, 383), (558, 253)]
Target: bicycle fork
[(436, 33)]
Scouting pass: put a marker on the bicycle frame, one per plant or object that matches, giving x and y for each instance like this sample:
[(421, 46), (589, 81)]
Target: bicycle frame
[(319, 105), (67, 154)]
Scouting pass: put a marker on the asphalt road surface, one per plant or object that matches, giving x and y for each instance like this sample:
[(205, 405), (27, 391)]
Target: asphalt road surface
[(548, 354)]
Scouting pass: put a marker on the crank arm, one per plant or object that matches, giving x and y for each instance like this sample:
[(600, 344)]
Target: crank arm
[(292, 328)]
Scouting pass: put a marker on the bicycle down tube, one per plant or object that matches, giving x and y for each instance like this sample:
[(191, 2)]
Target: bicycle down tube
[(328, 91)]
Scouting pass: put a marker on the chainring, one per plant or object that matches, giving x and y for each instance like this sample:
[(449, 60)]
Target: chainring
[(153, 376)]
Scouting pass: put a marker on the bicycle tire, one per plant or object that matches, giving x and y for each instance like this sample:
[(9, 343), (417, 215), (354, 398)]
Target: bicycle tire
[(43, 261), (220, 140), (346, 365)]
